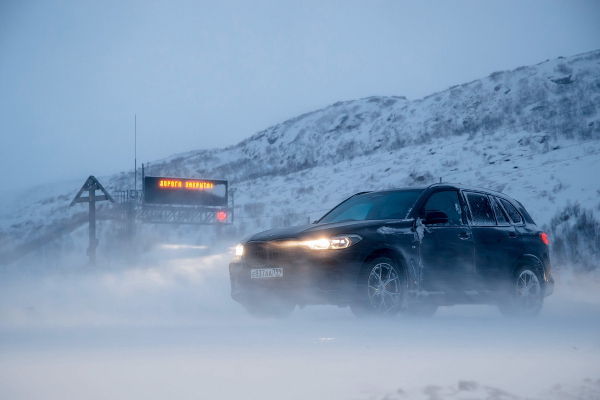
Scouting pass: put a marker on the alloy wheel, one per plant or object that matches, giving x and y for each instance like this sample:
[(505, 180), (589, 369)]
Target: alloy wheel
[(384, 288), (529, 291)]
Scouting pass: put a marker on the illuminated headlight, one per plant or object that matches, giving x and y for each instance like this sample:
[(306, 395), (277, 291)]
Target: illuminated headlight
[(334, 243), (239, 250)]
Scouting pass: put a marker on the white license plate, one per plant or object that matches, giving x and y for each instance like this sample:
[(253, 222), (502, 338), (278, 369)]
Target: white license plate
[(266, 273)]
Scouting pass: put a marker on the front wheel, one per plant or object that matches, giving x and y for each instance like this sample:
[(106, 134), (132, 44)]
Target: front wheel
[(525, 297), (380, 289)]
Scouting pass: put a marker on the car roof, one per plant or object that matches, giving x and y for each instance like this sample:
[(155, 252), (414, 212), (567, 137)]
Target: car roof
[(458, 186), (404, 189)]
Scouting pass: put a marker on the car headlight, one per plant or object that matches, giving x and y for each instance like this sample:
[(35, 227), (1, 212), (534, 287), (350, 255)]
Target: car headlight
[(334, 243), (239, 250)]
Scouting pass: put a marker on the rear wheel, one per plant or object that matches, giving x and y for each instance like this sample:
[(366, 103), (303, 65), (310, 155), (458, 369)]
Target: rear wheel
[(380, 289), (525, 297)]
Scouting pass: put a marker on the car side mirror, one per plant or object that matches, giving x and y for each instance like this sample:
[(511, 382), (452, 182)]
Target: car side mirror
[(435, 217)]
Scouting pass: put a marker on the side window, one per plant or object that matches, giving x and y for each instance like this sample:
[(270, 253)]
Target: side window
[(481, 209), (500, 217), (447, 202), (512, 212)]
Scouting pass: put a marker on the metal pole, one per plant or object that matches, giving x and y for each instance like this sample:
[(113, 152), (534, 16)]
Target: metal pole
[(135, 152), (143, 176), (92, 227)]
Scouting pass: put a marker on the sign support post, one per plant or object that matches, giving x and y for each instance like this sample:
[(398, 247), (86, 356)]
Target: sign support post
[(90, 186)]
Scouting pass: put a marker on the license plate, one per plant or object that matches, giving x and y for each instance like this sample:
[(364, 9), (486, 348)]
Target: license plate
[(266, 273)]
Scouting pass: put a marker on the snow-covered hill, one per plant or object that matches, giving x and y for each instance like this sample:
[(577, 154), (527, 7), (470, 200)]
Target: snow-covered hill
[(533, 133)]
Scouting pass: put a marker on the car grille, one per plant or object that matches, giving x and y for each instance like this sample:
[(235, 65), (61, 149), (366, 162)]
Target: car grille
[(275, 253), (256, 253)]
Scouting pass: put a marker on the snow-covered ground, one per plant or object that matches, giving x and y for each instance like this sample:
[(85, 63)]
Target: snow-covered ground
[(167, 328)]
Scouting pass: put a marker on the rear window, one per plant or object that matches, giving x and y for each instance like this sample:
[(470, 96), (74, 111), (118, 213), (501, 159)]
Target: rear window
[(512, 211), (481, 209), (386, 205), (500, 217)]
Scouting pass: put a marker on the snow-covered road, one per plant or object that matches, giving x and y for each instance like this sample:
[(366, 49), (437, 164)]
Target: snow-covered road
[(168, 329)]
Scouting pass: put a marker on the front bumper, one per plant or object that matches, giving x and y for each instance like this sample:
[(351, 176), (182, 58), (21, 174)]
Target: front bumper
[(318, 280)]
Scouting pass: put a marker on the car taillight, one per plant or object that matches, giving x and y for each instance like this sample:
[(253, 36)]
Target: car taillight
[(544, 238)]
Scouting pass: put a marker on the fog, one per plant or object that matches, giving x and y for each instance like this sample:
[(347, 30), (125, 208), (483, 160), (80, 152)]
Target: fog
[(154, 319), (166, 327)]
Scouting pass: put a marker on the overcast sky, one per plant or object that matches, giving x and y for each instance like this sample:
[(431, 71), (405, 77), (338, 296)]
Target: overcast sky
[(208, 74)]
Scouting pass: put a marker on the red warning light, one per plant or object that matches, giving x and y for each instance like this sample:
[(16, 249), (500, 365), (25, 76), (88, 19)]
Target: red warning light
[(221, 216)]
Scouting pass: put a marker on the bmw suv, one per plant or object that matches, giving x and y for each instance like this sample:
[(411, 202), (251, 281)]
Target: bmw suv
[(406, 250)]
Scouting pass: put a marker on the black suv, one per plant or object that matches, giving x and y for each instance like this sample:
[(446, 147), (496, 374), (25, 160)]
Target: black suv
[(406, 250)]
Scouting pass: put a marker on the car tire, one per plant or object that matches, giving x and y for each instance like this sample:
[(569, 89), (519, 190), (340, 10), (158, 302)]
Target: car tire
[(269, 307), (380, 289), (525, 297), (420, 310)]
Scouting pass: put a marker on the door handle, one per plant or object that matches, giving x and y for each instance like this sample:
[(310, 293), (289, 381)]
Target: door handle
[(464, 235), (512, 235)]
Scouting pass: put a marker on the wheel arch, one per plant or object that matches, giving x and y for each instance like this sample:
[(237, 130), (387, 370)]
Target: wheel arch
[(391, 253), (529, 260)]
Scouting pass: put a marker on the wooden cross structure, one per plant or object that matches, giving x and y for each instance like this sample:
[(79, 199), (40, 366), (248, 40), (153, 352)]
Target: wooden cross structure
[(90, 186)]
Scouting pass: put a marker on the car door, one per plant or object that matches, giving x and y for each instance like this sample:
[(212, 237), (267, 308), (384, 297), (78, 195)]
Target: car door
[(496, 241), (515, 247), (446, 250)]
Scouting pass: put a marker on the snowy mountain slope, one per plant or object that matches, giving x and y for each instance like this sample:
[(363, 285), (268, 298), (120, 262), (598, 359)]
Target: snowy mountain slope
[(349, 129), (533, 172), (532, 133)]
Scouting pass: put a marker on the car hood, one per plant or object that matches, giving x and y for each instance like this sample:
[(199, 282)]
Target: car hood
[(320, 230)]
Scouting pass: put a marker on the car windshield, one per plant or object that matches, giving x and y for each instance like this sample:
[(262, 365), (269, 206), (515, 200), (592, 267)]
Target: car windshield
[(382, 205)]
